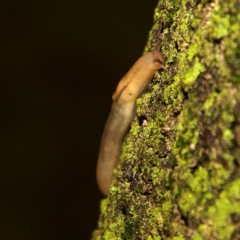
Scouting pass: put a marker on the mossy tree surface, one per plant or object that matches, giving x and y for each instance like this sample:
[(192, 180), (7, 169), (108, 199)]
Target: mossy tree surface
[(178, 176)]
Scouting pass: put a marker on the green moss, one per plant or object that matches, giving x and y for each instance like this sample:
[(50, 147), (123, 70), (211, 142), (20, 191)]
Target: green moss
[(196, 236), (187, 202), (193, 50), (103, 205), (226, 117), (178, 238), (135, 129), (228, 135), (192, 73), (130, 229), (154, 238), (166, 206), (173, 95), (220, 23), (220, 174), (200, 182), (219, 215), (188, 136), (209, 104), (114, 229)]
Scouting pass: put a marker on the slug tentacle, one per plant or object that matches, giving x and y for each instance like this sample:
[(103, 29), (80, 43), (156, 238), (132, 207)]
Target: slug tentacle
[(123, 109), (157, 55)]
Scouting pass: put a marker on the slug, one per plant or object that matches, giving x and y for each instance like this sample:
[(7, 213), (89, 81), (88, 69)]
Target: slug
[(123, 111)]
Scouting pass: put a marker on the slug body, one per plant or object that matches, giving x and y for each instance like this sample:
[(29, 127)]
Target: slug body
[(123, 111)]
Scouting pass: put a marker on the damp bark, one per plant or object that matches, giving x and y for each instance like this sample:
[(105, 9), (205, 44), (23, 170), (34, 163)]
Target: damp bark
[(178, 176)]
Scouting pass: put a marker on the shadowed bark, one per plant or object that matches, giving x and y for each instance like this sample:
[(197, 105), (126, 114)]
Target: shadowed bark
[(178, 176)]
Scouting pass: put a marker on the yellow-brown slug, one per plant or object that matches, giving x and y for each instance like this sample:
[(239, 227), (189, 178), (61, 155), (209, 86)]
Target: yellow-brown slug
[(123, 111)]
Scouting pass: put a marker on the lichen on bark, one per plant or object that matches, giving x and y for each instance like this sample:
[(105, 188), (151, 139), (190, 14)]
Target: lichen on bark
[(178, 176)]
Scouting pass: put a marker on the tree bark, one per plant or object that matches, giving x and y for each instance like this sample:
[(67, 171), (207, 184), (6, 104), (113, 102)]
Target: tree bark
[(178, 176)]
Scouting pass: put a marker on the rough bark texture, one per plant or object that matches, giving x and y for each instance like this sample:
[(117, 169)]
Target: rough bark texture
[(179, 175)]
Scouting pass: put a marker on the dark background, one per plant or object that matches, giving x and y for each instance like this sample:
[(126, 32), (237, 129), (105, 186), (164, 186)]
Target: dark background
[(60, 62)]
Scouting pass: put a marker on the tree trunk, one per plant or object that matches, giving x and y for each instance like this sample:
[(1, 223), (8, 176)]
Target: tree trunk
[(178, 176)]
